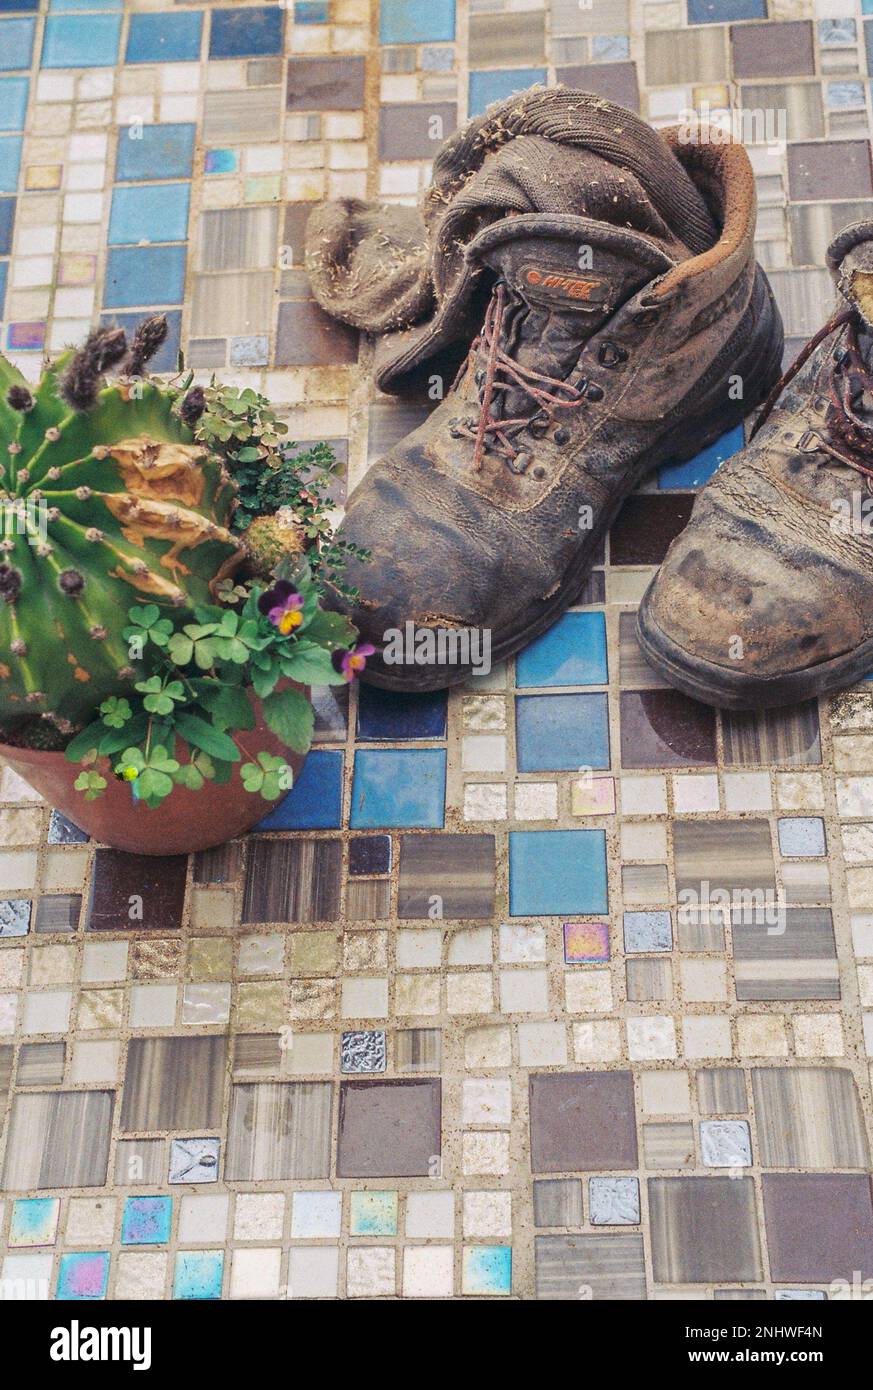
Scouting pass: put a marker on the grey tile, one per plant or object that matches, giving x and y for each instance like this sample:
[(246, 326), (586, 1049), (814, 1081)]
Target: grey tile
[(173, 1083), (368, 900), (415, 130), (238, 239), (507, 40), (7, 1052), (648, 979), (704, 1230), (557, 1202), (740, 1295), (456, 871), (58, 1139), (256, 1055), (606, 17), (238, 118), (615, 81), (697, 55), (614, 1201), (233, 303), (819, 1226), (325, 84), (725, 1144), (773, 50), (590, 1267), (307, 337), (58, 912), (41, 1064), (801, 102), (417, 1049), (194, 1160), (721, 1091), (140, 1162), (829, 169), (793, 958), (808, 1117), (754, 738), (363, 1051), (389, 1129), (279, 1130), (582, 1121), (720, 865), (669, 1145)]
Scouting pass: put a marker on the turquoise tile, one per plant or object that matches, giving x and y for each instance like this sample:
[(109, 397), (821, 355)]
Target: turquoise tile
[(403, 787), (64, 6), (13, 102), (146, 1220), (487, 1269), (698, 470), (173, 37), (573, 652), (144, 275), (10, 162), (198, 1274), (561, 733), (149, 212), (155, 152), (81, 41), (411, 21), (486, 87), (373, 1214), (552, 872), (220, 162), (84, 1275), (34, 1221), (16, 44)]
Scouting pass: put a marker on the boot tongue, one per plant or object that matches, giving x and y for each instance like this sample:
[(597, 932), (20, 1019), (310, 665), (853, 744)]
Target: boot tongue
[(850, 259), (561, 289)]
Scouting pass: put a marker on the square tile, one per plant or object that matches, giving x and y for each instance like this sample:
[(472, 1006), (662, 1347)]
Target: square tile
[(58, 1139), (557, 871), (389, 1128), (486, 1269), (136, 891), (819, 1226), (582, 1120), (198, 1274), (704, 1230), (279, 1130), (572, 652), (614, 1201), (373, 1214), (146, 1220), (446, 876), (83, 1276), (402, 787), (561, 733), (590, 1267)]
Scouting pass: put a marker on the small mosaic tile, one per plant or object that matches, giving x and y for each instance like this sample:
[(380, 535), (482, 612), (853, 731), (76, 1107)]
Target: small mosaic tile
[(363, 1052), (194, 1160), (83, 1275), (614, 1201)]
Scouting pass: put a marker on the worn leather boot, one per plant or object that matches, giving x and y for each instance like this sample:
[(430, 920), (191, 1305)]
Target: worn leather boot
[(767, 595), (483, 522)]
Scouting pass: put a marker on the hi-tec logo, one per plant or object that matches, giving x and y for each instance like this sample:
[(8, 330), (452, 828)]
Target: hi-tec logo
[(76, 1343), (571, 285)]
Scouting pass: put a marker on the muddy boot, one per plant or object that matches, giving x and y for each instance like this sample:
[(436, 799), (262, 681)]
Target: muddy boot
[(608, 344), (767, 595)]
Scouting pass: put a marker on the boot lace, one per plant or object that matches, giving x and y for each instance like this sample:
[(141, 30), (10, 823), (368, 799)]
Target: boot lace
[(492, 433), (846, 438)]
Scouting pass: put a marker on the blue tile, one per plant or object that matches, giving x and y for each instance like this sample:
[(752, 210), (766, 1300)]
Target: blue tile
[(62, 6), (166, 358), (220, 162), (802, 836), (866, 6), (398, 787), (561, 733), (149, 212), (7, 224), (610, 48), (311, 12), (165, 38), (83, 1275), (648, 931), (155, 152), (573, 652), (486, 87), (410, 21), (63, 832), (369, 854), (81, 41), (10, 162), (249, 350), (16, 43), (386, 714), (146, 275), (315, 802), (3, 271), (557, 871), (246, 33), (8, 6), (723, 11), (695, 472), (198, 1274), (13, 102), (146, 1220), (487, 1269)]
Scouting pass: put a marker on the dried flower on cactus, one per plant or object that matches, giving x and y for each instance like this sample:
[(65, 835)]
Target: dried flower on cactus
[(192, 406), (19, 398), (150, 335), (102, 349)]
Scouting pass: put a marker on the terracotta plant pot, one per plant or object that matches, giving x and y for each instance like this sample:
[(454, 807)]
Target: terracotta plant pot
[(186, 821)]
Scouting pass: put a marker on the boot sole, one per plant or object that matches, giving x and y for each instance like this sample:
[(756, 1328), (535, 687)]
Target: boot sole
[(762, 368), (716, 685)]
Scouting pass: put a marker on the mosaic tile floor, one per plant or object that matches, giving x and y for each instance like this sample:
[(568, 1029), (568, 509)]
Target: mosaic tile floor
[(454, 1021)]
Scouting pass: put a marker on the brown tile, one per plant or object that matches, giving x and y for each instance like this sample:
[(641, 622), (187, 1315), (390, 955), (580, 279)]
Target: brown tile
[(173, 1083), (753, 738), (721, 864), (507, 39), (368, 899), (646, 526), (669, 1145), (307, 337), (648, 979), (155, 960), (615, 81), (292, 881), (592, 1267), (582, 1121), (452, 872), (557, 1202), (41, 1064), (325, 84), (704, 1230), (415, 130), (220, 864), (829, 170), (635, 673), (819, 1226), (279, 1130), (773, 49), (7, 1052), (389, 1129), (58, 1139), (662, 728), (238, 238), (417, 1049), (722, 1091), (136, 891)]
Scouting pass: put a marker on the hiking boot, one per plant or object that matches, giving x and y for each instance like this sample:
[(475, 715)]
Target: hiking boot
[(766, 597), (608, 346)]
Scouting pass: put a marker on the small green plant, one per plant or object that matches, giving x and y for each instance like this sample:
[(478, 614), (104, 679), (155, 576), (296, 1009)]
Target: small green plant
[(186, 719)]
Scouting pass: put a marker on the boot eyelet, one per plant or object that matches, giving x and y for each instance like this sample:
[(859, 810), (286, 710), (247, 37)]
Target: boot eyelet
[(539, 471), (610, 354), (561, 435), (538, 424), (593, 392)]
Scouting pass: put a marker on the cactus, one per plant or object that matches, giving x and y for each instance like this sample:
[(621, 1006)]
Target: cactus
[(106, 500), (270, 540)]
